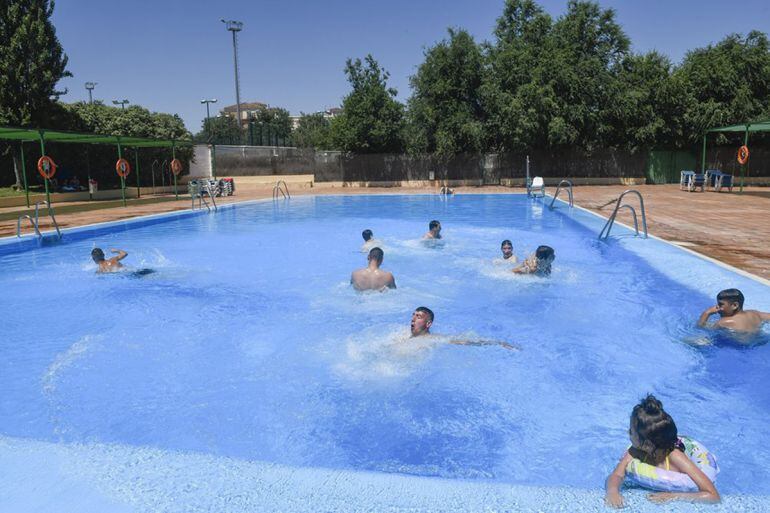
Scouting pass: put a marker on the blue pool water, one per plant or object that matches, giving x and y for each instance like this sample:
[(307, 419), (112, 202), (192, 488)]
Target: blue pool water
[(248, 344)]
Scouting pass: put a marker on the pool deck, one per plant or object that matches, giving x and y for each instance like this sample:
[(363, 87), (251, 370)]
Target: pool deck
[(729, 227)]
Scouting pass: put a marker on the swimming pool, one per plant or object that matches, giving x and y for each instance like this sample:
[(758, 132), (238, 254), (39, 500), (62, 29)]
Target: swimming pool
[(245, 372)]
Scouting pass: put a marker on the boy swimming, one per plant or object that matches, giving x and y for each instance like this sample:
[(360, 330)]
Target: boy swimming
[(732, 315)]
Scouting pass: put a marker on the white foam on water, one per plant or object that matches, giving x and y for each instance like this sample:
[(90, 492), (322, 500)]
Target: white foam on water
[(66, 359)]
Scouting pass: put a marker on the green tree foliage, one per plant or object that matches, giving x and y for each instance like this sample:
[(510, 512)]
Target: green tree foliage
[(313, 132), (372, 120), (276, 120), (32, 62), (729, 82), (220, 130), (132, 121), (445, 111)]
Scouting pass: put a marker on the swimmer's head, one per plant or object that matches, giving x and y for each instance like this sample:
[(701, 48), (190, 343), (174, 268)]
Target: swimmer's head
[(730, 302), (367, 234), (545, 256), (422, 319), (97, 254), (652, 431), (376, 254), (507, 249), (434, 226)]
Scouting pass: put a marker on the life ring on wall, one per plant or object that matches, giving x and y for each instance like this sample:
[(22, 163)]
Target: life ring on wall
[(46, 167), (743, 155), (122, 167), (176, 166)]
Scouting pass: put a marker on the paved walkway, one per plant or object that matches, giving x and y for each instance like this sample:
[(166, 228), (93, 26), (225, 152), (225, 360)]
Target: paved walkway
[(731, 228)]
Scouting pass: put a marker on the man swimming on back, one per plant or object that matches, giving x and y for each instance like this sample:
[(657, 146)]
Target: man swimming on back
[(732, 315), (372, 277), (108, 265), (422, 320)]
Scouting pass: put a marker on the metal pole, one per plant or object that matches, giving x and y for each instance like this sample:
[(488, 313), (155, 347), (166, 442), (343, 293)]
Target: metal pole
[(152, 172), (173, 153), (45, 180), (122, 179), (743, 167), (136, 159), (88, 171), (237, 83), (251, 133), (528, 181), (703, 156), (214, 161), (24, 171)]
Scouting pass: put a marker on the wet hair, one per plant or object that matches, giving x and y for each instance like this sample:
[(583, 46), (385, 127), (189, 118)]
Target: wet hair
[(367, 234), (97, 254), (433, 224), (506, 241), (655, 430), (733, 296), (544, 255), (427, 311), (377, 254)]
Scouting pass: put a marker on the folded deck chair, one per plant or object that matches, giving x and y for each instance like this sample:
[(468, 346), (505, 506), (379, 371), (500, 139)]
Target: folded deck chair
[(538, 187), (684, 179), (694, 181), (717, 179)]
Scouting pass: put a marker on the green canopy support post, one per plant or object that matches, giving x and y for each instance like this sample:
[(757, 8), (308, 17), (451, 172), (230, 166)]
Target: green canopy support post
[(122, 178), (703, 156), (45, 180), (173, 156), (743, 166), (88, 171), (214, 161), (136, 161), (24, 171)]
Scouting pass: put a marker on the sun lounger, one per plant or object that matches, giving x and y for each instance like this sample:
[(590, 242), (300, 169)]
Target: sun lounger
[(538, 187), (717, 179), (690, 180)]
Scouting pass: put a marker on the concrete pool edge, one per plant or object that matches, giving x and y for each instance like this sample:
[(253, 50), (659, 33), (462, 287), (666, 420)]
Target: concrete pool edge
[(118, 478)]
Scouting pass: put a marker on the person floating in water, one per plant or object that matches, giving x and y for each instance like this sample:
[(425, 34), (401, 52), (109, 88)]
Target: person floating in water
[(507, 248), (108, 265), (732, 315), (422, 320), (538, 263), (654, 440), (434, 230), (372, 277), (369, 241)]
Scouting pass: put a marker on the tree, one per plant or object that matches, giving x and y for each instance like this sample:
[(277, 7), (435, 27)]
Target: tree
[(371, 119), (276, 120), (32, 62), (313, 132), (445, 111), (220, 130)]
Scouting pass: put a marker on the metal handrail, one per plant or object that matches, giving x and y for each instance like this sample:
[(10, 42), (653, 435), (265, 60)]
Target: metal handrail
[(618, 206), (50, 214), (277, 188), (34, 225), (558, 189), (212, 196)]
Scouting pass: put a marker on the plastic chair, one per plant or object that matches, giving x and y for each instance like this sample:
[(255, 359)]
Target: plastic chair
[(537, 187)]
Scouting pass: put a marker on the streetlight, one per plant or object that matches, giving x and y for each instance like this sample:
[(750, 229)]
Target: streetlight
[(90, 87), (122, 103), (235, 27), (208, 114)]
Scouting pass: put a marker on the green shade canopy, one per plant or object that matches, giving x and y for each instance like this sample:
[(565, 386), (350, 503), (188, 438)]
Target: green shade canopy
[(57, 136), (754, 126)]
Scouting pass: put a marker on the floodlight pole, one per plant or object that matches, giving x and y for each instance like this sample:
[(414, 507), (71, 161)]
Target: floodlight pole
[(90, 87), (235, 27), (173, 156), (122, 103), (208, 114), (24, 171)]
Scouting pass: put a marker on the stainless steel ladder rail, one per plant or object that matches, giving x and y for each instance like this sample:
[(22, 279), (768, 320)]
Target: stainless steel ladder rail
[(277, 188), (568, 188), (211, 196), (50, 214), (32, 221), (618, 206)]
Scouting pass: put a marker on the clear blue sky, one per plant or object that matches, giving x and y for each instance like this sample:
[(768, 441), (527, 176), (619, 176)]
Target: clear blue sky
[(169, 54)]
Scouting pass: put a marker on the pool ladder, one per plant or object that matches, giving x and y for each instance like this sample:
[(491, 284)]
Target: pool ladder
[(36, 220), (568, 188), (283, 190), (202, 199), (618, 206)]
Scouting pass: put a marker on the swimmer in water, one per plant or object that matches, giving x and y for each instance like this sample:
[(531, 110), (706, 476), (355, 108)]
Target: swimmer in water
[(434, 230), (538, 263), (422, 320), (108, 265), (732, 315), (507, 248), (369, 241), (372, 277)]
